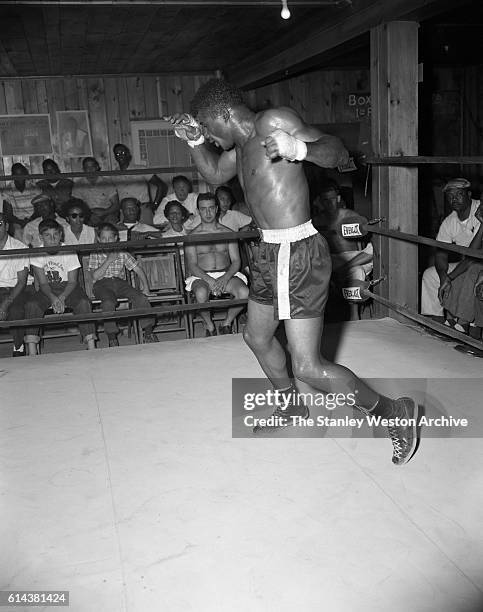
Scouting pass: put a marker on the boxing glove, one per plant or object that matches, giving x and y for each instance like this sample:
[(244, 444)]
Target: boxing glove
[(288, 146)]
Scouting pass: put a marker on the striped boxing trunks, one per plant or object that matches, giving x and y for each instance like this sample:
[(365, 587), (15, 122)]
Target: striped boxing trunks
[(292, 272)]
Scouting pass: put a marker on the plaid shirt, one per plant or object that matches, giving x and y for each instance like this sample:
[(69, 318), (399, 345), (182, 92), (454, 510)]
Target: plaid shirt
[(116, 268)]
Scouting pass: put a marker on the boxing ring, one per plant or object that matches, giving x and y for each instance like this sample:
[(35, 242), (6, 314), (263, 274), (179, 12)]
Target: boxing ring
[(126, 481)]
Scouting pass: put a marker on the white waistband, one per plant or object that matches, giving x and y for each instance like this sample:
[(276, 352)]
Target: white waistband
[(290, 234)]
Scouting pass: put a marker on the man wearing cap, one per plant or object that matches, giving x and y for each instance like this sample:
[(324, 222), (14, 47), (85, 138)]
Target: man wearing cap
[(459, 227), (44, 206)]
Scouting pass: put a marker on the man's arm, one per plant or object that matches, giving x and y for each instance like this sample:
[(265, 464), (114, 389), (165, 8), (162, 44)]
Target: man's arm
[(19, 287), (161, 190), (215, 169), (292, 139), (234, 252), (141, 274), (71, 284)]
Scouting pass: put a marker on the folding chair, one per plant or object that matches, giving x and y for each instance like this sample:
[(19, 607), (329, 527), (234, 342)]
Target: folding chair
[(164, 273)]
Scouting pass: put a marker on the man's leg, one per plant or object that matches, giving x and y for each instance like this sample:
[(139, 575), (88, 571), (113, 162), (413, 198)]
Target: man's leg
[(138, 300), (304, 336), (105, 290), (201, 292), (80, 304), (239, 290), (259, 334)]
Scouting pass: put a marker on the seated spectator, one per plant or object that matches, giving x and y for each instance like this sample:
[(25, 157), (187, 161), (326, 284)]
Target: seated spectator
[(182, 192), (44, 209), (177, 215), (77, 214), (214, 266), (458, 294), (14, 291), (56, 274), (233, 219), (458, 227), (58, 190), (131, 210), (108, 273), (98, 192), (351, 259), (16, 200), (148, 189)]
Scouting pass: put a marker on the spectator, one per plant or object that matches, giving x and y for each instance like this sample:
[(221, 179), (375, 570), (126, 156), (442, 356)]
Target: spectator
[(176, 214), (183, 193), (233, 219), (131, 210), (458, 227), (458, 294), (351, 259), (16, 200), (138, 186), (214, 266), (57, 275), (14, 291), (44, 209), (58, 190), (108, 272), (77, 214), (98, 192)]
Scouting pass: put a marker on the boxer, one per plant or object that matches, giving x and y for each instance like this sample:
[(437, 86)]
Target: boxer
[(290, 278)]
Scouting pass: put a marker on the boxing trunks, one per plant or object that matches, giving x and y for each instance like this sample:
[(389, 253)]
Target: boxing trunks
[(292, 272)]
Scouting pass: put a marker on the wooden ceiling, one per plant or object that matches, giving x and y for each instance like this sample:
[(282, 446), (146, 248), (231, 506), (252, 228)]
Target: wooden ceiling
[(94, 39), (251, 44)]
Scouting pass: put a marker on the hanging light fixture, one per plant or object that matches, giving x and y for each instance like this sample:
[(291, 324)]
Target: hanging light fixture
[(285, 14)]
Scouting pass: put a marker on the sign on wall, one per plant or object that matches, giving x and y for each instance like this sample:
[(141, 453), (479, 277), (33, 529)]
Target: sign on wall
[(25, 135), (74, 133)]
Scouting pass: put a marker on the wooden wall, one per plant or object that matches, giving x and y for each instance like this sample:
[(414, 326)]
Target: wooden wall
[(111, 103), (320, 97)]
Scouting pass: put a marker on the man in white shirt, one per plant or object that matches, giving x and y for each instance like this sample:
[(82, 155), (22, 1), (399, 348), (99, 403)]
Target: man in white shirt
[(19, 194), (234, 219), (98, 192), (13, 285), (44, 206), (131, 210), (459, 227), (148, 189)]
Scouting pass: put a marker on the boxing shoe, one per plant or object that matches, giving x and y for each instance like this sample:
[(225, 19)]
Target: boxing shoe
[(403, 429), (282, 415)]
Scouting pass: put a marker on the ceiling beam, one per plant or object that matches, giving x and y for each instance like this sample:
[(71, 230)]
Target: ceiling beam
[(269, 65), (330, 3)]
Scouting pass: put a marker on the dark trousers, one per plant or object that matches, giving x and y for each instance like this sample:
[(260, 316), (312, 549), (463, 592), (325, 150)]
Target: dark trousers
[(108, 290), (17, 311), (77, 300)]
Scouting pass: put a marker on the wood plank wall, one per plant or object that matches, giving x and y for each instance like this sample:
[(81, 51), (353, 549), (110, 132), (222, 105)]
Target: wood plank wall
[(320, 96), (111, 102)]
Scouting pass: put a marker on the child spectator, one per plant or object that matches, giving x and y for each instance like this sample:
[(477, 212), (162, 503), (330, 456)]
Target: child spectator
[(56, 274), (108, 271)]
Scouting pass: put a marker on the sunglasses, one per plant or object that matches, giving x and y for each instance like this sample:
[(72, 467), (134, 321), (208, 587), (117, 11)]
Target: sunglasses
[(75, 215)]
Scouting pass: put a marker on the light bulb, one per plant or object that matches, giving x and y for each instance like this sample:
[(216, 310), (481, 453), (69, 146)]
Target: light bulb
[(285, 14)]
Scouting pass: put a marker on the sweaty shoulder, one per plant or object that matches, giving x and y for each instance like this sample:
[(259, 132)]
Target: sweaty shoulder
[(283, 118)]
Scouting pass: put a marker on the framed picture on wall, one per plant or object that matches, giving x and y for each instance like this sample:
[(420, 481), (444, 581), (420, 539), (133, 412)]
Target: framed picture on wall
[(25, 135), (74, 133)]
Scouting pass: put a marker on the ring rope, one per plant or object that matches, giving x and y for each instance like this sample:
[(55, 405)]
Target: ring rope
[(414, 160), (80, 173), (147, 243), (134, 313), (410, 314), (455, 248)]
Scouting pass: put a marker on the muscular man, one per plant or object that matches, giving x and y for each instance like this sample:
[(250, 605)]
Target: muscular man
[(290, 278), (214, 266)]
